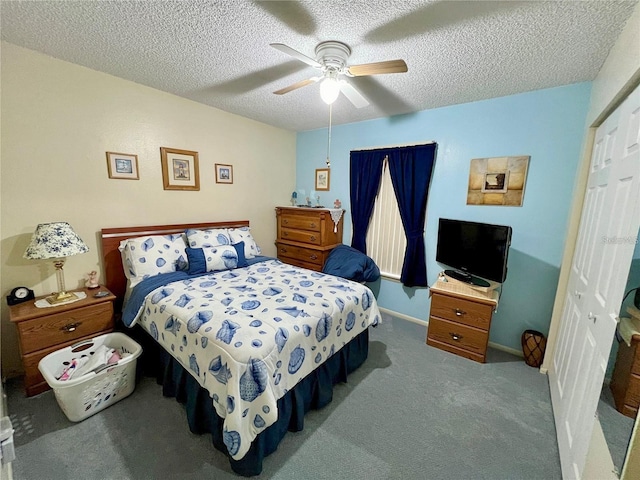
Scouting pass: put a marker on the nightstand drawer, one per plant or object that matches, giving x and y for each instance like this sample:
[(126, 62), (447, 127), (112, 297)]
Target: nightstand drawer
[(462, 311), (633, 391), (57, 328), (457, 335), (305, 221), (302, 236)]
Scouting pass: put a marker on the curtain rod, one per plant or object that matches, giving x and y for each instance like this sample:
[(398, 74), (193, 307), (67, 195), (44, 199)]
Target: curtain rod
[(394, 146)]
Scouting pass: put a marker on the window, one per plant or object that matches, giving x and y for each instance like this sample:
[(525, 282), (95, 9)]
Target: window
[(386, 241)]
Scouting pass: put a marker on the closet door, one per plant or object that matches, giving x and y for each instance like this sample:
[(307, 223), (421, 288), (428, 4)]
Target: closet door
[(604, 249)]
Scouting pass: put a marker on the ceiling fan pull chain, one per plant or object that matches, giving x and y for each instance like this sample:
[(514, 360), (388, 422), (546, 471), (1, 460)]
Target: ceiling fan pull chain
[(329, 137)]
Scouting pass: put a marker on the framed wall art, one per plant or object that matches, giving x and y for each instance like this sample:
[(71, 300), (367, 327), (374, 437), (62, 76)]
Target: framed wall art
[(323, 179), (224, 173), (497, 181), (122, 165), (179, 169)]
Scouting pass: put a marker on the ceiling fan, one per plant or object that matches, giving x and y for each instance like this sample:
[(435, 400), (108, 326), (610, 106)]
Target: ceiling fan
[(331, 60)]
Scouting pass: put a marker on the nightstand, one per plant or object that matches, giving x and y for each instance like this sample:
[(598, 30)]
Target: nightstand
[(460, 319), (45, 330)]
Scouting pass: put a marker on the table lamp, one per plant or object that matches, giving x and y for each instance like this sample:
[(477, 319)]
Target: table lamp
[(56, 241)]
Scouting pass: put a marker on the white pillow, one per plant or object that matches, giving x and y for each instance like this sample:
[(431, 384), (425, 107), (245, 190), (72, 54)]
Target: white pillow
[(144, 257), (208, 238), (243, 234)]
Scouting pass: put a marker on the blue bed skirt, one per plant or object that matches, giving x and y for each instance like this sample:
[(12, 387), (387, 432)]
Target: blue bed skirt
[(313, 392)]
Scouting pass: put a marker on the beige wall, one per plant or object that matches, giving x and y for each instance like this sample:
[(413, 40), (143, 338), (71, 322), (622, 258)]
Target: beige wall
[(59, 119)]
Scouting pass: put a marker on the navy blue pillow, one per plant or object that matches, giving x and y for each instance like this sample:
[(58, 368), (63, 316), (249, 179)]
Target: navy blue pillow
[(198, 262)]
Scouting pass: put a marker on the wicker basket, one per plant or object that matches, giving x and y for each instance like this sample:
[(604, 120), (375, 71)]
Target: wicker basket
[(533, 346)]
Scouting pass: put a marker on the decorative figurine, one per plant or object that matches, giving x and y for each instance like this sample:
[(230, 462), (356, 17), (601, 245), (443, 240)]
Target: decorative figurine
[(337, 204), (92, 280), (294, 197), (308, 202)]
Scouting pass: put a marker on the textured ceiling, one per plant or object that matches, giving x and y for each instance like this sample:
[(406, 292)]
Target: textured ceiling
[(218, 53)]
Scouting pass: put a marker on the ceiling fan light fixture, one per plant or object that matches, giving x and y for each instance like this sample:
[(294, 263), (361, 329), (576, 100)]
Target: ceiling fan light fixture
[(329, 90)]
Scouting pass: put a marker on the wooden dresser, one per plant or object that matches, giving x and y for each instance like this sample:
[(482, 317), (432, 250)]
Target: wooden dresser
[(460, 319), (306, 236), (625, 382), (45, 330)]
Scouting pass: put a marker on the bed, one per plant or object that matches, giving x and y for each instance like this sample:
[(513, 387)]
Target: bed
[(248, 343)]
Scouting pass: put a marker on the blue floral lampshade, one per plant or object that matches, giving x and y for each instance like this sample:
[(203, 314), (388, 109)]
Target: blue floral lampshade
[(54, 240)]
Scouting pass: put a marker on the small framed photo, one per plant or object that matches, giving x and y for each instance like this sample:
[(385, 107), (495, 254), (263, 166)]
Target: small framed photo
[(122, 165), (179, 169), (224, 173), (323, 179), (495, 182)]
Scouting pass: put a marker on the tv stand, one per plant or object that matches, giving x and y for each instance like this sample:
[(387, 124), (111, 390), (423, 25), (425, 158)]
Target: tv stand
[(460, 318), (467, 278)]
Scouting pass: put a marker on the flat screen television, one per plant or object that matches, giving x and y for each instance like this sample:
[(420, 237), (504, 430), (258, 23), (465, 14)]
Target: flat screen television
[(476, 251)]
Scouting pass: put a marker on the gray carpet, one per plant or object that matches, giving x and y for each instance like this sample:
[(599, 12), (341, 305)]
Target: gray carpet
[(616, 427), (410, 412)]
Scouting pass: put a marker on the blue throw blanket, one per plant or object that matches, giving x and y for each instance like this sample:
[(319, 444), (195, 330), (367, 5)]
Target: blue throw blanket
[(349, 263)]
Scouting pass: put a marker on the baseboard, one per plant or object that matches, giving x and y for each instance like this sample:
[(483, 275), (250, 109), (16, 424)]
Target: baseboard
[(409, 318), (403, 316)]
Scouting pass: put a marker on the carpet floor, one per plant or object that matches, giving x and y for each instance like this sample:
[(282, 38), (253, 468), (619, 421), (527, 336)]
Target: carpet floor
[(410, 412)]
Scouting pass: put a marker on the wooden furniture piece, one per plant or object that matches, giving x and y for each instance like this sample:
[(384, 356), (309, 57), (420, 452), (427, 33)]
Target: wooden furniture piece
[(625, 382), (45, 330), (460, 318), (306, 236)]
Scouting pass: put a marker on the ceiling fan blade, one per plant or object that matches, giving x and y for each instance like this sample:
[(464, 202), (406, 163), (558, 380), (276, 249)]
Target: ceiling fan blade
[(353, 95), (297, 85), (295, 54), (377, 68)]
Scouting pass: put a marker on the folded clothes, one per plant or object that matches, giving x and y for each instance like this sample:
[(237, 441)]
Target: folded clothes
[(100, 357)]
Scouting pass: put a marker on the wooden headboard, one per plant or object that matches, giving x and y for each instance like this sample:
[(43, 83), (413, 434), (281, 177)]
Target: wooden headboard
[(115, 279)]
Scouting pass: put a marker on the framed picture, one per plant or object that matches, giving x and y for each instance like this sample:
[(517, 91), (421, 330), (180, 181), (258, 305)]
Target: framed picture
[(323, 178), (122, 165), (224, 173), (179, 169), (497, 181)]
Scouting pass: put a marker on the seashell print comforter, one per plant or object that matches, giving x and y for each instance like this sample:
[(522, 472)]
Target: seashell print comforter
[(250, 334)]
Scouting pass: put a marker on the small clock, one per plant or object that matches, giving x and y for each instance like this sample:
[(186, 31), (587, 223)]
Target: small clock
[(19, 295)]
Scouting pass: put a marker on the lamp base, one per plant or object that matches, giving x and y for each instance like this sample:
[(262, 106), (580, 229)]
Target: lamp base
[(61, 297)]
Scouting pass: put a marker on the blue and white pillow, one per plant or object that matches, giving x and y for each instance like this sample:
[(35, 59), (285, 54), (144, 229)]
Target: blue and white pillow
[(152, 255), (215, 259), (208, 238), (243, 234)]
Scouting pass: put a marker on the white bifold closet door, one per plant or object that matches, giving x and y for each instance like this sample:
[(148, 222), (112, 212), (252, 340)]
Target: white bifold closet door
[(599, 269)]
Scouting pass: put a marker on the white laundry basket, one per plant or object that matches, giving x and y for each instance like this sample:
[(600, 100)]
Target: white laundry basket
[(88, 394)]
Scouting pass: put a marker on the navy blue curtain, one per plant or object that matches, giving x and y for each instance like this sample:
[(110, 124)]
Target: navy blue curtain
[(410, 169), (365, 175)]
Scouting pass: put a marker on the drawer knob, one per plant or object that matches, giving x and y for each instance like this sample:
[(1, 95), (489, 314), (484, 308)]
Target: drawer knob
[(313, 225), (459, 312), (456, 337), (285, 234), (283, 250), (313, 257), (312, 238), (70, 327), (285, 221)]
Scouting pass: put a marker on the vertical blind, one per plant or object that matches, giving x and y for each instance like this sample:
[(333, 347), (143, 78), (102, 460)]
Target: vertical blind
[(386, 241)]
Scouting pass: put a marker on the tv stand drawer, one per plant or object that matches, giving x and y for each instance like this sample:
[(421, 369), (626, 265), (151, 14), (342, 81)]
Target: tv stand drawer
[(462, 311)]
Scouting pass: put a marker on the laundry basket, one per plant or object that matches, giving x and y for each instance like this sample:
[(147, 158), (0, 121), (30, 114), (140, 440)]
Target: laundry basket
[(92, 392)]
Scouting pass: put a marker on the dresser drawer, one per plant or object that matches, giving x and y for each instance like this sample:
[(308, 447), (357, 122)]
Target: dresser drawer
[(312, 238), (55, 329), (461, 311), (457, 335), (307, 255), (301, 222), (633, 391)]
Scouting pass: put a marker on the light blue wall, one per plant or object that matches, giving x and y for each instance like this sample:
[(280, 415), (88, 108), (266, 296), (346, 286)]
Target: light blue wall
[(548, 125)]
